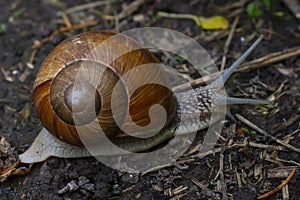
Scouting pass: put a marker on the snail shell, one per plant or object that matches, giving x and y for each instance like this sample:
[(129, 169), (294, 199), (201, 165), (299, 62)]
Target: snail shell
[(97, 61)]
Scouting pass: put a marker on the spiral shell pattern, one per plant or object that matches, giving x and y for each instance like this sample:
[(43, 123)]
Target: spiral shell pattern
[(58, 100)]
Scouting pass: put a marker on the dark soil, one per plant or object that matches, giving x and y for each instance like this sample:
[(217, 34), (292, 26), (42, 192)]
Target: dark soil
[(27, 21)]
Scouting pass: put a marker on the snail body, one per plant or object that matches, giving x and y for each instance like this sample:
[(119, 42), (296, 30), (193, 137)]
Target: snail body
[(75, 87)]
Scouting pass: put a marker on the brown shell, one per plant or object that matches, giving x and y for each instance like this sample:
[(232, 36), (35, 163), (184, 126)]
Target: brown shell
[(112, 54)]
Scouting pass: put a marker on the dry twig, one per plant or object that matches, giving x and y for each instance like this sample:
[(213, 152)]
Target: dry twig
[(270, 59), (285, 192), (261, 131), (203, 187), (127, 11), (279, 187), (72, 27), (6, 76), (280, 172), (228, 41), (233, 5), (257, 63), (294, 7), (90, 5), (287, 123), (222, 179)]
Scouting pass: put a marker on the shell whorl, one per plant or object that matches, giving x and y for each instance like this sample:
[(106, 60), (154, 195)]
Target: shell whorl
[(98, 71)]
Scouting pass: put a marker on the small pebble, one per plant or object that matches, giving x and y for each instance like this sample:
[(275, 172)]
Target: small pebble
[(90, 187), (71, 186), (82, 180)]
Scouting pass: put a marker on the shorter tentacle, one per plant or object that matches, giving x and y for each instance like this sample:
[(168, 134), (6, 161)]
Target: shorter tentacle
[(233, 100)]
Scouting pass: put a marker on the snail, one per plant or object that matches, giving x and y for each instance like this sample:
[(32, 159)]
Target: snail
[(73, 75)]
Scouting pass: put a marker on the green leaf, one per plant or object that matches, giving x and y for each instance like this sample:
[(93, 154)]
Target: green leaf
[(179, 59), (252, 132), (268, 4), (245, 130), (18, 13), (2, 28), (153, 16), (248, 131), (254, 10), (278, 14)]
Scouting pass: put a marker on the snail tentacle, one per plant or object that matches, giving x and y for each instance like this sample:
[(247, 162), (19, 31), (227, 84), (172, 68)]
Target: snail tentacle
[(225, 76)]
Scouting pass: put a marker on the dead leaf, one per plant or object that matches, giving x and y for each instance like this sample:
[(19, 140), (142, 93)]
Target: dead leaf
[(9, 162), (213, 23), (207, 23), (286, 71)]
